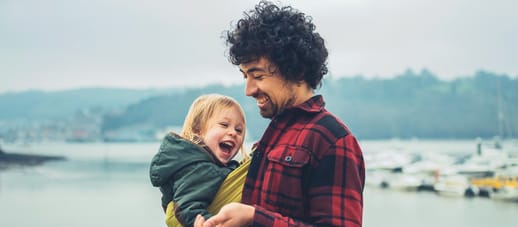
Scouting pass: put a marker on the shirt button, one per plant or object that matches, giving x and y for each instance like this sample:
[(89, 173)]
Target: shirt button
[(288, 158)]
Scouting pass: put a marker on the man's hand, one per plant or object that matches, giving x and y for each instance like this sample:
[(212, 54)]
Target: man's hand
[(230, 215)]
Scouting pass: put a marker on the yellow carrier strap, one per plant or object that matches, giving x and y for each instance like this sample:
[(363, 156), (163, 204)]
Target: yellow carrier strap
[(230, 191)]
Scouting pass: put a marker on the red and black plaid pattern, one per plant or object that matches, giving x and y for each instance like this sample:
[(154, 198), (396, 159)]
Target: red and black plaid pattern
[(307, 169)]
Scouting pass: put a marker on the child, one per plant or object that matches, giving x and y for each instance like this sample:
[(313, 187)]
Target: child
[(189, 168)]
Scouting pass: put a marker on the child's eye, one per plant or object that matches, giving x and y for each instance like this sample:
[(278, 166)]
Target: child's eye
[(239, 130), (224, 124)]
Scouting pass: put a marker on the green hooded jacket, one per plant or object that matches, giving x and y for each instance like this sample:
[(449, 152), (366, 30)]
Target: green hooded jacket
[(189, 175)]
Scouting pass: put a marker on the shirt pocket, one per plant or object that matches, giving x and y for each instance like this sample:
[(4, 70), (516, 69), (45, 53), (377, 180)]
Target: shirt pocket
[(289, 156), (283, 178)]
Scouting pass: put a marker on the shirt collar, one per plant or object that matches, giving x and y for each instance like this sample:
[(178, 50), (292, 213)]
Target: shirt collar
[(314, 104)]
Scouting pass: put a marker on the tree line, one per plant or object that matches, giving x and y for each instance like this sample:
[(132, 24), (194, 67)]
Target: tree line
[(410, 105)]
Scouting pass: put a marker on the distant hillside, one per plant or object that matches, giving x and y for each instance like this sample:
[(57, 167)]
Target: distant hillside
[(170, 110), (40, 105), (409, 105), (420, 105)]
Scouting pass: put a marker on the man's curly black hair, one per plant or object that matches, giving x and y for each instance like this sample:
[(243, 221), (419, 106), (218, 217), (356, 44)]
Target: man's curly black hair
[(285, 36)]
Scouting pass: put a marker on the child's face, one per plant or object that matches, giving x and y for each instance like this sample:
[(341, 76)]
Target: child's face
[(224, 133)]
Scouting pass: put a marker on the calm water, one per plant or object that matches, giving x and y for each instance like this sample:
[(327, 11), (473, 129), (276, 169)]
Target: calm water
[(108, 185)]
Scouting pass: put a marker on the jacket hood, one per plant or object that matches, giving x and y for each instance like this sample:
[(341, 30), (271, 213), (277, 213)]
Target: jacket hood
[(174, 154)]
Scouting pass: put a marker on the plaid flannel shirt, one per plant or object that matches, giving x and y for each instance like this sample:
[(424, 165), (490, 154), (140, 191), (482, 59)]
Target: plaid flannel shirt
[(307, 169)]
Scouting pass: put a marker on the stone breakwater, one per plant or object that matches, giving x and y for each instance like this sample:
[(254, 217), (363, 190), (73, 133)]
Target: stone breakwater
[(19, 159)]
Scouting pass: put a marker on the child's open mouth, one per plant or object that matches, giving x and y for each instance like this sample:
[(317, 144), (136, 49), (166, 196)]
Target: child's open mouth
[(227, 146)]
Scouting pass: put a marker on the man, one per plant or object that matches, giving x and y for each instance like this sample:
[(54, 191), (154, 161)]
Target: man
[(308, 168)]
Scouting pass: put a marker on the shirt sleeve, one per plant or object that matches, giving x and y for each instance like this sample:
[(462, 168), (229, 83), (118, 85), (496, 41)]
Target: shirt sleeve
[(194, 192), (335, 191)]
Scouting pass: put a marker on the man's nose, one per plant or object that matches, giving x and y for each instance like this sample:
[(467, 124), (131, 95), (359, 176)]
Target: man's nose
[(250, 87)]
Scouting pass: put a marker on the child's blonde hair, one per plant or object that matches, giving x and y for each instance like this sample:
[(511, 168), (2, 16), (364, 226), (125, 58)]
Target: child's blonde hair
[(200, 112)]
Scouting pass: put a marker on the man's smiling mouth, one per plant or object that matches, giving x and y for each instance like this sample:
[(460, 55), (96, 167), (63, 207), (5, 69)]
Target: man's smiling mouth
[(262, 100)]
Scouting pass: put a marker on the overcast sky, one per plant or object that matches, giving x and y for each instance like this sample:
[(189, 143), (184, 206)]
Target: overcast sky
[(64, 44)]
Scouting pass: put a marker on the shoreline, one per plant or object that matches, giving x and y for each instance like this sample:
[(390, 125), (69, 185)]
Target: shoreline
[(8, 160)]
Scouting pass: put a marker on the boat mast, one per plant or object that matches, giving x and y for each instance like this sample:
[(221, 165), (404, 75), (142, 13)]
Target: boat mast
[(500, 116)]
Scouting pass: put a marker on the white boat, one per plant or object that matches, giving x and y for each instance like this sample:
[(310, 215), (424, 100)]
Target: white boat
[(508, 194), (388, 160), (404, 182), (482, 164), (454, 185), (429, 164)]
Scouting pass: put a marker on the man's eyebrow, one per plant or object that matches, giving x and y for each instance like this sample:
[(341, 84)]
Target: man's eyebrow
[(253, 69)]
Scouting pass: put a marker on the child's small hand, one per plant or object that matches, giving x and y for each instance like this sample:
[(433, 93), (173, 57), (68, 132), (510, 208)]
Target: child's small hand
[(199, 221)]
